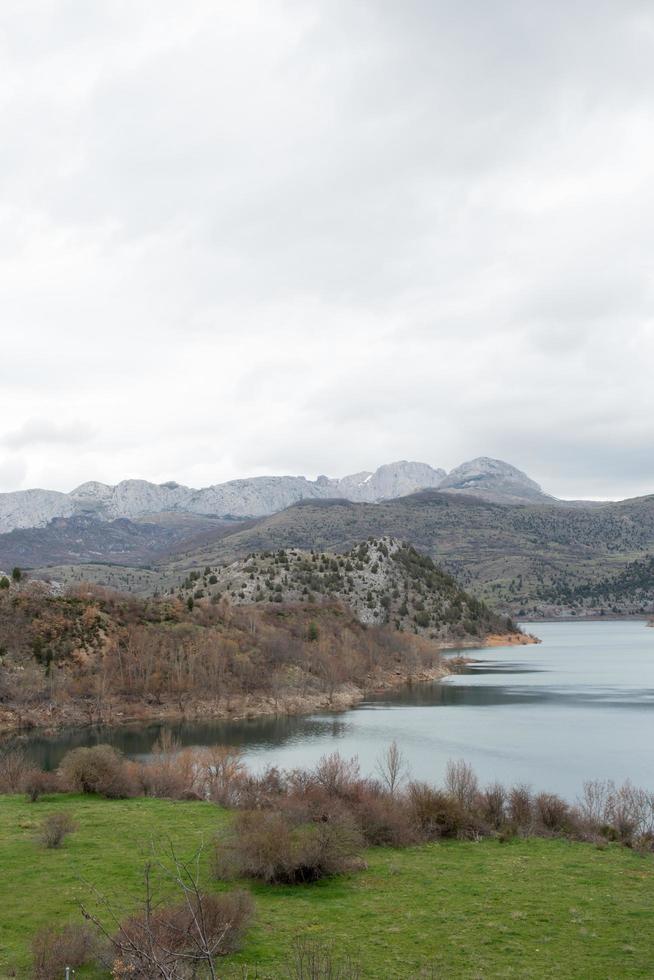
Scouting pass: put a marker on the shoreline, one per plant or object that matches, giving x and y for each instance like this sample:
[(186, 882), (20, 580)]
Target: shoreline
[(53, 719), (592, 618)]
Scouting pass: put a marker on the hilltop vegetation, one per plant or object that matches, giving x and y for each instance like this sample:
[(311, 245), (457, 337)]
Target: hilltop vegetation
[(383, 581)]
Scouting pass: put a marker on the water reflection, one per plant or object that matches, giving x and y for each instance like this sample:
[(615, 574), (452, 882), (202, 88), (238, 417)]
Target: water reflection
[(578, 706)]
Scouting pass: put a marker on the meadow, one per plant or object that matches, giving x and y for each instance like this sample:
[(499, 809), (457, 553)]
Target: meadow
[(529, 907)]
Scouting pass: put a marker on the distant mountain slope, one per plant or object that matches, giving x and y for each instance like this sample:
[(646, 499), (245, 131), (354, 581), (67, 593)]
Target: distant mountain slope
[(630, 589), (255, 497), (84, 538), (521, 559), (517, 557), (494, 480), (383, 581)]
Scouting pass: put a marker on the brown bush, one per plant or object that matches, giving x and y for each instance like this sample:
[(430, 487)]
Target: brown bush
[(520, 807), (55, 828), (13, 768), (492, 805), (553, 813), (338, 776), (222, 774), (99, 769), (461, 783), (386, 820), (173, 936), (256, 792), (629, 813), (55, 949), (37, 783), (267, 846), (435, 813)]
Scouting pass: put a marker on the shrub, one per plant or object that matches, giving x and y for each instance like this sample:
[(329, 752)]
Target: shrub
[(336, 775), (435, 813), (520, 807), (386, 821), (175, 937), (552, 812), (492, 805), (99, 769), (171, 773), (55, 828), (629, 812), (37, 783), (55, 949), (266, 846), (13, 768), (461, 783), (223, 774)]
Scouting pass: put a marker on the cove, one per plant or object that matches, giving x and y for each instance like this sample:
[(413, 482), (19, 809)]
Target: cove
[(578, 706)]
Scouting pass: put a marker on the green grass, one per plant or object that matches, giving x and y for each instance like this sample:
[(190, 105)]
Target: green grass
[(531, 908)]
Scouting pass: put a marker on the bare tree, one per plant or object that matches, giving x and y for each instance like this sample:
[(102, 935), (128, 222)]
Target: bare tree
[(172, 942), (461, 782), (392, 768)]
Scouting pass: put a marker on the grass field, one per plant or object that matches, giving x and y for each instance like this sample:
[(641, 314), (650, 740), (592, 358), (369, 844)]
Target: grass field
[(530, 908)]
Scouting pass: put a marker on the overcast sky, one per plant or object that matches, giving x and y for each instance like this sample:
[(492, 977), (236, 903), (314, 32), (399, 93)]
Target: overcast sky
[(312, 236)]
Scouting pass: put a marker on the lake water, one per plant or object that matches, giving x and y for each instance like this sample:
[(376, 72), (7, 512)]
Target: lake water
[(578, 706)]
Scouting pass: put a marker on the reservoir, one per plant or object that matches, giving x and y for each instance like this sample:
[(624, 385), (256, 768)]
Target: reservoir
[(578, 706)]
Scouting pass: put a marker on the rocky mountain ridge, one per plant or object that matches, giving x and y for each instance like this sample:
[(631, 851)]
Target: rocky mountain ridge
[(262, 496)]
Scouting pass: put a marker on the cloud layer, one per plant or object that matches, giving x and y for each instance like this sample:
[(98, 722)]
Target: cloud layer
[(301, 237)]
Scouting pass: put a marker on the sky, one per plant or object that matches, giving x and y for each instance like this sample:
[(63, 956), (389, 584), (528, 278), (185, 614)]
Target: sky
[(314, 236)]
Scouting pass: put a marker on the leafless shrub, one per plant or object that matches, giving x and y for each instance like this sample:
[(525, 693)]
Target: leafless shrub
[(55, 828), (435, 813), (223, 774), (13, 767), (392, 768), (54, 949), (337, 775), (99, 769), (178, 941), (261, 791), (171, 773), (629, 812), (552, 812), (265, 845), (386, 821), (461, 783), (593, 802), (311, 960), (37, 783), (520, 807), (492, 805)]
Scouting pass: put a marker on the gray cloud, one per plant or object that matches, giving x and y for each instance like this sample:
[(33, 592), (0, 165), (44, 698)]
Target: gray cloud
[(40, 432), (303, 237)]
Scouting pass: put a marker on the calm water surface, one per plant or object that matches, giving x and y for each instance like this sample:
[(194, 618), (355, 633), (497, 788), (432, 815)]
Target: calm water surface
[(580, 705)]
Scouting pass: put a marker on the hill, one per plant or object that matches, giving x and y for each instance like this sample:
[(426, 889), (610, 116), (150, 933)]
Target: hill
[(384, 582), (89, 655)]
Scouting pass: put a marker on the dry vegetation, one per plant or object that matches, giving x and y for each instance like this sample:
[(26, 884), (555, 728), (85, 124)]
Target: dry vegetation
[(95, 656)]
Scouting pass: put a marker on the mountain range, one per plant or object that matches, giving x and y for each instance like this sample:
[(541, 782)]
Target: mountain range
[(261, 496), (486, 523)]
